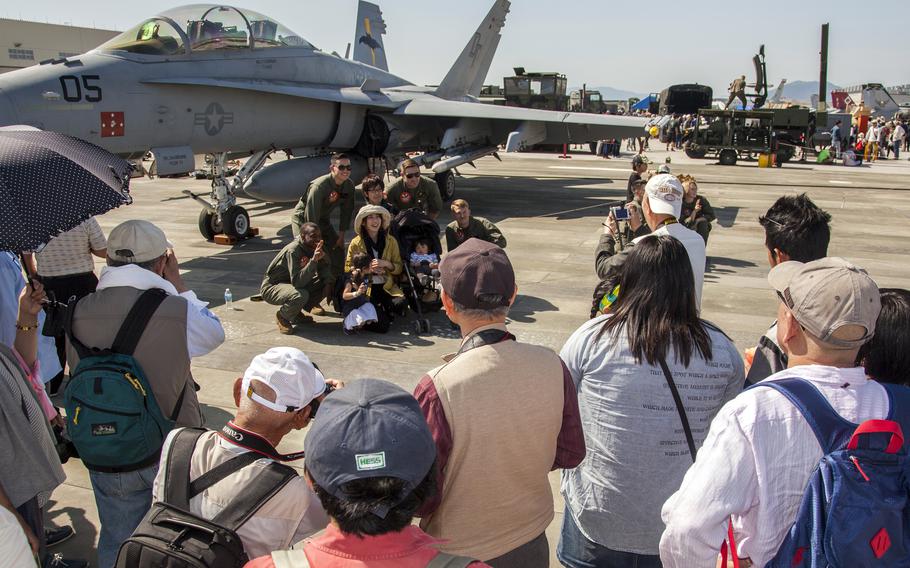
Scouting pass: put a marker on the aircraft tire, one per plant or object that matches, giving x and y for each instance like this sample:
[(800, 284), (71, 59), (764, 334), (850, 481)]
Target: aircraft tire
[(727, 157), (209, 224), (446, 183), (236, 222)]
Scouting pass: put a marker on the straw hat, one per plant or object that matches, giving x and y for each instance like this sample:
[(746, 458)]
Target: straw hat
[(368, 210)]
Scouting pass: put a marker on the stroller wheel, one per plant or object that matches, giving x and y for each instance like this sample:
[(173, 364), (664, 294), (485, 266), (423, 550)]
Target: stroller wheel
[(417, 327), (424, 325)]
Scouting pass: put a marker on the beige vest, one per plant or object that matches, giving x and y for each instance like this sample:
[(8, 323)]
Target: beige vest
[(162, 351), (504, 405)]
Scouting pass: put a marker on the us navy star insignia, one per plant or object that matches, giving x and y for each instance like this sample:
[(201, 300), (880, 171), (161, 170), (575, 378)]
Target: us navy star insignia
[(213, 119)]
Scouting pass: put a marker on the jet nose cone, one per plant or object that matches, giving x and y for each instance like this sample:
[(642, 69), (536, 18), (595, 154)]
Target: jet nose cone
[(7, 112)]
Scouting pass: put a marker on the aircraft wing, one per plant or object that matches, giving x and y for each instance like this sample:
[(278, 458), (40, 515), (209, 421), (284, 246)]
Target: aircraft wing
[(561, 127), (351, 95)]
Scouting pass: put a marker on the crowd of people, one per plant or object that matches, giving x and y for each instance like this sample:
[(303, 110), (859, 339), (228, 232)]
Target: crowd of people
[(663, 450)]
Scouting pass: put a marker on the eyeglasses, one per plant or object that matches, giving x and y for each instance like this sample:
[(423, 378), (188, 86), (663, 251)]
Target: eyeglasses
[(343, 167), (372, 189), (412, 176)]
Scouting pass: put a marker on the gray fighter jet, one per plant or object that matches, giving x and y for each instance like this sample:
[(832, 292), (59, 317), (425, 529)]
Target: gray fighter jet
[(210, 79)]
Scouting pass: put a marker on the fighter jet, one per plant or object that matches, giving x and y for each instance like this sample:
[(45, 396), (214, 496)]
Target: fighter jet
[(211, 79)]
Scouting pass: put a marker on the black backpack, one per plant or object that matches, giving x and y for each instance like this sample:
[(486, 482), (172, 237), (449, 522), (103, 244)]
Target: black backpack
[(171, 536)]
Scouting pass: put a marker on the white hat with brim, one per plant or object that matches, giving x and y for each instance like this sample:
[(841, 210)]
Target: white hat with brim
[(368, 210), (291, 376), (665, 194)]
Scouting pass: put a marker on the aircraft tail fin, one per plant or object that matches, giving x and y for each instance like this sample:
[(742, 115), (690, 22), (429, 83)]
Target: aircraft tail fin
[(368, 47), (470, 69), (779, 91)]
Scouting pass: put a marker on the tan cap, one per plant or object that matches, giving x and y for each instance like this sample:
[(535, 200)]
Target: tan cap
[(826, 294), (136, 241)]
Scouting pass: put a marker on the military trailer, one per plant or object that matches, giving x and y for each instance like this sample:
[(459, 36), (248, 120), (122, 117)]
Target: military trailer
[(732, 134)]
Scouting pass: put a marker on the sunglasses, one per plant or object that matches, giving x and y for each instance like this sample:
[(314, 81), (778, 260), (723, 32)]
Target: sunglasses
[(412, 176), (346, 168)]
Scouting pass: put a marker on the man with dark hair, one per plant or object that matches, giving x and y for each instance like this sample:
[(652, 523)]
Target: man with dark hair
[(370, 459), (374, 193), (639, 166), (495, 501), (412, 190), (795, 229), (139, 258), (324, 195), (298, 278)]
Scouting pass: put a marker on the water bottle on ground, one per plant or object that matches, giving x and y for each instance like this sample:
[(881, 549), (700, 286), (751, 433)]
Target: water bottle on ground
[(228, 299)]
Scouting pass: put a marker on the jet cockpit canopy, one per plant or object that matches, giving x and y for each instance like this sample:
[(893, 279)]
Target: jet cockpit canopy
[(204, 27)]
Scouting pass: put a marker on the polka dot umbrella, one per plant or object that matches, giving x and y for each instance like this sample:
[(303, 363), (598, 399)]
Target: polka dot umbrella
[(49, 183)]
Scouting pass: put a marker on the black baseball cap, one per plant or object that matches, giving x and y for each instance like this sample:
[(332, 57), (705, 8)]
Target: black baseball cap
[(370, 428), (474, 269), (638, 160)]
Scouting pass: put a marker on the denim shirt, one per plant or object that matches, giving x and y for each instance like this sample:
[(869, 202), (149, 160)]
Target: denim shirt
[(11, 283), (636, 448)]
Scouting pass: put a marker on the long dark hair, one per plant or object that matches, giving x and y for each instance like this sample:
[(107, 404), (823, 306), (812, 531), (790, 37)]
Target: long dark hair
[(656, 303), (886, 356)]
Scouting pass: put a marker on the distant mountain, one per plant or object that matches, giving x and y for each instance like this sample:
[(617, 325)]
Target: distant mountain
[(802, 91), (612, 94)]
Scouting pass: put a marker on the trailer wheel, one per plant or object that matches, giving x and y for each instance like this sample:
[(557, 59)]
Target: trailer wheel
[(727, 157)]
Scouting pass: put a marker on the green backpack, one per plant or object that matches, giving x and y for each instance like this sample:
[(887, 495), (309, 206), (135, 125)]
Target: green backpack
[(111, 413)]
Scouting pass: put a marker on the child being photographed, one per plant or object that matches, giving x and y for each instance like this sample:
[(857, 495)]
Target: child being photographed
[(426, 267), (356, 308)]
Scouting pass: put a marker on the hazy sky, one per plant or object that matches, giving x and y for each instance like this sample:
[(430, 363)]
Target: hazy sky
[(636, 45)]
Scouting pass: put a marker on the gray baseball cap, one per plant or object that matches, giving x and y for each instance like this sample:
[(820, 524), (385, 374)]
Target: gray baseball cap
[(370, 428), (826, 294)]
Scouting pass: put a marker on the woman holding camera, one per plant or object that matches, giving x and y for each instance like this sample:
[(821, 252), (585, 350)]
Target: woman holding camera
[(623, 364)]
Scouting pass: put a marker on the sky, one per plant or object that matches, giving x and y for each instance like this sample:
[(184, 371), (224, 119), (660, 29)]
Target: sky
[(637, 46)]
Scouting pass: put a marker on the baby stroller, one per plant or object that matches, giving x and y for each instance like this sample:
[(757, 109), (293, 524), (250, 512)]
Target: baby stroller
[(408, 227)]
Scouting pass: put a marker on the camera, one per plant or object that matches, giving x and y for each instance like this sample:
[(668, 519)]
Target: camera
[(620, 213), (63, 445), (357, 277)]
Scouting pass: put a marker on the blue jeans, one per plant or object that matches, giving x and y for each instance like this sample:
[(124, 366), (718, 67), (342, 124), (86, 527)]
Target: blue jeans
[(576, 551), (122, 500)]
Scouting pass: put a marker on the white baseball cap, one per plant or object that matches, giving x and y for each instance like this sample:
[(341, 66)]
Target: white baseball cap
[(289, 373), (665, 194), (136, 241)]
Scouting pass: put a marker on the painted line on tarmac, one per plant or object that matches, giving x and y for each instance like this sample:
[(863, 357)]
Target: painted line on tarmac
[(568, 211), (840, 181), (588, 168)]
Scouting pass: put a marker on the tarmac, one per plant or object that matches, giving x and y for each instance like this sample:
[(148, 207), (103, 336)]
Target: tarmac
[(550, 210)]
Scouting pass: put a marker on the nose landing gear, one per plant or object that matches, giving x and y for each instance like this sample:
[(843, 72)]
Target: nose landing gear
[(222, 216)]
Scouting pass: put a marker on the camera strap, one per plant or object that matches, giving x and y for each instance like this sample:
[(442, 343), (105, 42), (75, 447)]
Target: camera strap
[(485, 337), (255, 443)]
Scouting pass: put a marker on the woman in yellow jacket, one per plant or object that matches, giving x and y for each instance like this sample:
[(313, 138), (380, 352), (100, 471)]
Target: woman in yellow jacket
[(372, 228)]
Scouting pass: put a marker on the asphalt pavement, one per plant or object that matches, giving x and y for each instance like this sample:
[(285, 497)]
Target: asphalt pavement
[(550, 210)]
